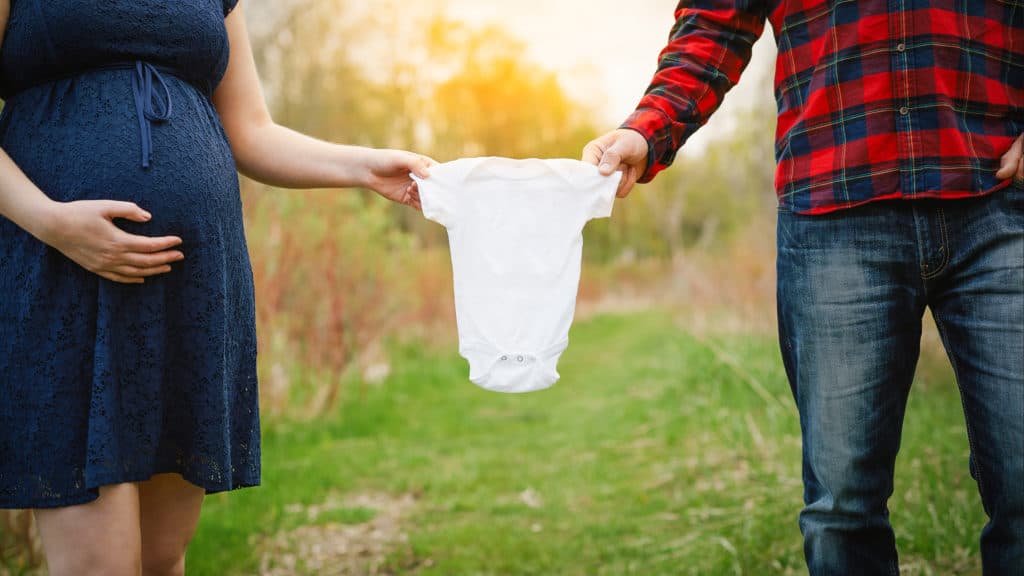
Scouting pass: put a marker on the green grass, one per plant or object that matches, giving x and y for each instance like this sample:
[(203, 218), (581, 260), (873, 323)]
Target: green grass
[(657, 453)]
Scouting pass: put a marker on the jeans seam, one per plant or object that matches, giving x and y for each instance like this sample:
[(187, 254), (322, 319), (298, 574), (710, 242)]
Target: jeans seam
[(967, 420), (943, 247)]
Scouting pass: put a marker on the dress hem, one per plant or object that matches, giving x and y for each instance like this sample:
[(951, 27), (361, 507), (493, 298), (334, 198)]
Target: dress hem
[(91, 492)]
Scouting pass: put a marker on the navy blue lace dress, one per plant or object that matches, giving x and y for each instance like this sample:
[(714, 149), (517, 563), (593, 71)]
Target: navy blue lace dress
[(103, 383)]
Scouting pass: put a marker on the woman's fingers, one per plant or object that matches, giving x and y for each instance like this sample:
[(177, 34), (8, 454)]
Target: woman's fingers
[(120, 278), (127, 210), (137, 272), (141, 257), (411, 196), (145, 244), (137, 257), (152, 260), (421, 167), (88, 236)]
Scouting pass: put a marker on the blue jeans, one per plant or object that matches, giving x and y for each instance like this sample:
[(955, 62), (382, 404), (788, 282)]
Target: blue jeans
[(852, 289)]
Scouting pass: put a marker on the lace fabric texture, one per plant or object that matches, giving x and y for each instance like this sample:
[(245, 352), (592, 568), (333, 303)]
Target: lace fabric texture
[(100, 382)]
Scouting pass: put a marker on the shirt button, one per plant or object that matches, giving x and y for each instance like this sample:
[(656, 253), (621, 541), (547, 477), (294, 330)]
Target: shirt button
[(901, 47), (904, 110)]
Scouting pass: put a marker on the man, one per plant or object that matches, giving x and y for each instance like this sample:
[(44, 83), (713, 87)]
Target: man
[(901, 185)]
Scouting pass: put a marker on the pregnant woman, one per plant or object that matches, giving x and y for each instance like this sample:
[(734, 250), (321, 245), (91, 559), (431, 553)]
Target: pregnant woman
[(127, 338)]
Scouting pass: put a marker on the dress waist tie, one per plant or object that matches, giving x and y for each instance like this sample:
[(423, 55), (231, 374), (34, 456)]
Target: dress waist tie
[(149, 105)]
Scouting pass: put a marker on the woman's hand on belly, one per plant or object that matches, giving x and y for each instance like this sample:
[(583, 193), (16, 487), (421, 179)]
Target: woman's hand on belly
[(84, 231)]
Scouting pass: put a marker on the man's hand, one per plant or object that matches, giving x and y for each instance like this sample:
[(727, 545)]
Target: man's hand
[(1012, 165), (388, 175), (621, 149)]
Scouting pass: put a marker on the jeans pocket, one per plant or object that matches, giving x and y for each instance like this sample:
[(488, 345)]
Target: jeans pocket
[(1014, 194), (795, 231), (786, 228)]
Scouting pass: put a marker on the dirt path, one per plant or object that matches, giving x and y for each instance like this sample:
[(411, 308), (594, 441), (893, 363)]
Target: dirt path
[(339, 549)]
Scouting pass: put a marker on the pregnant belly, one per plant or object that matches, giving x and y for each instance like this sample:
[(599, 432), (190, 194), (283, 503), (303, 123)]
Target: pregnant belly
[(80, 139)]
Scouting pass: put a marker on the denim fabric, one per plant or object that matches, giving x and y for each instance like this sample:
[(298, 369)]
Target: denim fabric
[(852, 289)]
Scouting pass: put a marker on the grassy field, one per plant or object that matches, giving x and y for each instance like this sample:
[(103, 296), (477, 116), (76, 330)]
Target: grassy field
[(658, 453)]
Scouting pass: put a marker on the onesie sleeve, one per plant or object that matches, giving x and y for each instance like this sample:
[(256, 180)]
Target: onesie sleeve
[(602, 196), (437, 197), (229, 5)]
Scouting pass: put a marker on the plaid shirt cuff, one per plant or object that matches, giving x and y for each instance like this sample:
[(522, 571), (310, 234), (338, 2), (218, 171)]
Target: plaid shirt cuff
[(656, 127)]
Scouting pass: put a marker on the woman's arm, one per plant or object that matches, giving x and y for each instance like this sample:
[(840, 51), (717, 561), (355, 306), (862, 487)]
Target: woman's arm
[(84, 231), (278, 156)]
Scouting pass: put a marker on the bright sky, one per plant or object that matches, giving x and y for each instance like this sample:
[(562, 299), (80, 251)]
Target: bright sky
[(589, 42), (604, 54), (598, 47)]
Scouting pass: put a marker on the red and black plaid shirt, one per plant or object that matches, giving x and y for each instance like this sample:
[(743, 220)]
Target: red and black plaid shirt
[(877, 99)]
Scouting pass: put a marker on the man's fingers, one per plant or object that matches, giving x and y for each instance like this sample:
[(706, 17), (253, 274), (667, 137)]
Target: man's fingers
[(610, 161), (1011, 161), (629, 177), (127, 210), (592, 153)]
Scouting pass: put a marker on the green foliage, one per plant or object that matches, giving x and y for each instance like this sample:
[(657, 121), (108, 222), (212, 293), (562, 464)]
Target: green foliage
[(331, 280), (658, 452)]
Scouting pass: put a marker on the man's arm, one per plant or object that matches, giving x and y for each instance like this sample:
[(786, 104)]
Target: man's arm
[(708, 49)]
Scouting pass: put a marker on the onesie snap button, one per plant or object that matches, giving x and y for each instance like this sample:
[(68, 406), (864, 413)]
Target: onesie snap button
[(504, 358), (520, 358)]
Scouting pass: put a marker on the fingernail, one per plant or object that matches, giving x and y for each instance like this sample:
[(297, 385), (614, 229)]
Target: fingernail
[(606, 167), (147, 215)]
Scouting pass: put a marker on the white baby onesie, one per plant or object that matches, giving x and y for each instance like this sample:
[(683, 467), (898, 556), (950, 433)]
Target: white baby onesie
[(515, 231)]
